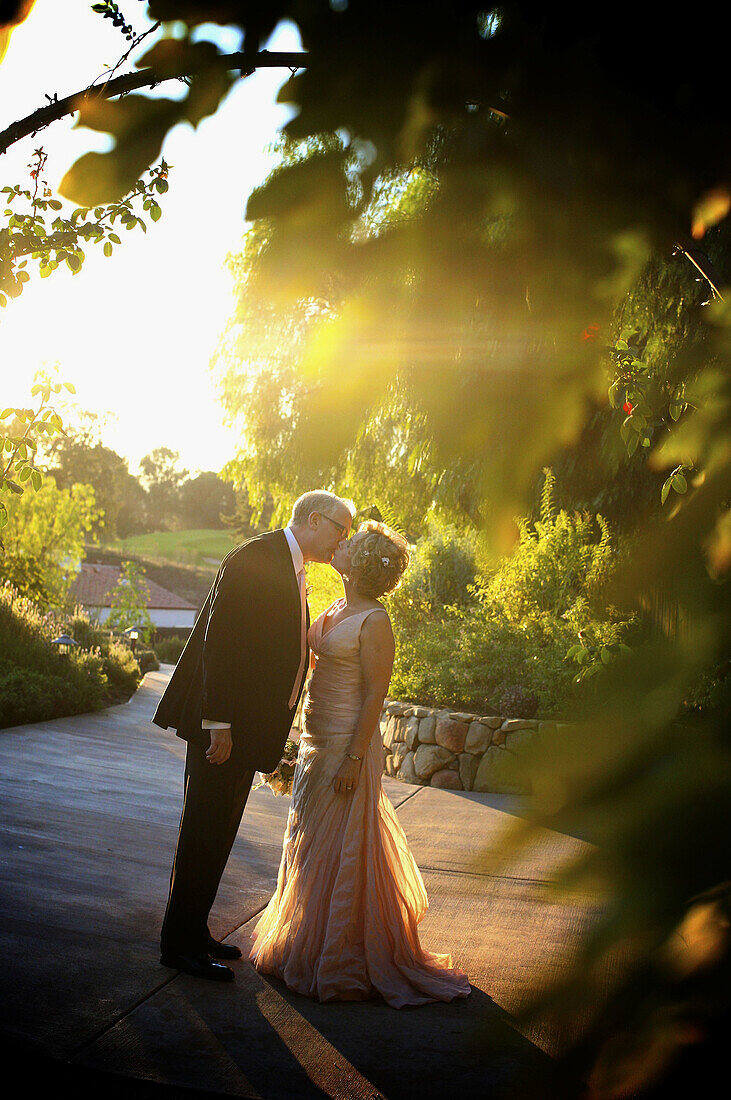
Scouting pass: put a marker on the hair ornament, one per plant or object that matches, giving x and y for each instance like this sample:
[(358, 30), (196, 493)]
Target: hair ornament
[(386, 561)]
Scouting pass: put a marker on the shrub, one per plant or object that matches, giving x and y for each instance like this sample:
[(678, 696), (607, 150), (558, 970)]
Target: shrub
[(29, 696), (25, 573), (502, 647), (324, 586), (471, 661), (443, 566), (121, 670), (85, 631), (168, 650), (147, 661), (561, 560), (37, 682)]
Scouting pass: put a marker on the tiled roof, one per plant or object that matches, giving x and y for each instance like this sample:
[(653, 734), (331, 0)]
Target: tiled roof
[(94, 585)]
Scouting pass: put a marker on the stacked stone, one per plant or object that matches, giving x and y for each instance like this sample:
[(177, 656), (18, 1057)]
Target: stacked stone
[(458, 751)]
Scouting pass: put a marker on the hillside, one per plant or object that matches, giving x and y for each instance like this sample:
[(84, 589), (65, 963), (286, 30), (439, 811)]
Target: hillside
[(188, 581)]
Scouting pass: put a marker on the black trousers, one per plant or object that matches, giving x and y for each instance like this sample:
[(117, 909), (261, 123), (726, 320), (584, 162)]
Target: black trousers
[(215, 796)]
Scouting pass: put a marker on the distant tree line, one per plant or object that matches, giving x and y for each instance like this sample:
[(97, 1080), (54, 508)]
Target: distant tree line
[(164, 497)]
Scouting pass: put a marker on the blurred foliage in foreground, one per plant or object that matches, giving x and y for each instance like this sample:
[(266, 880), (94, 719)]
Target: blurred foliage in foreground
[(555, 157)]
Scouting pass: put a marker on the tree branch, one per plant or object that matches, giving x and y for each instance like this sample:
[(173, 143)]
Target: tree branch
[(145, 78)]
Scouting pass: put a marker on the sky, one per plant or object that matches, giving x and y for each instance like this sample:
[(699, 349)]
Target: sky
[(135, 333)]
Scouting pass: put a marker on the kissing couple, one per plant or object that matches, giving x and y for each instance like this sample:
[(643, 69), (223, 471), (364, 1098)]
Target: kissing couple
[(342, 923)]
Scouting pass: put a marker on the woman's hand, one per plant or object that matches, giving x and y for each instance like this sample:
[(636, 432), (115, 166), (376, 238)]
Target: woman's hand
[(347, 776)]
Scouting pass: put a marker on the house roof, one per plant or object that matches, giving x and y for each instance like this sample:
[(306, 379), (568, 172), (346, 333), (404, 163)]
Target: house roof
[(94, 585)]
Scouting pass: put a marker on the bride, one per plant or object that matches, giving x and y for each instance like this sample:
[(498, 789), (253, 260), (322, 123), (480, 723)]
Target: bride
[(342, 924)]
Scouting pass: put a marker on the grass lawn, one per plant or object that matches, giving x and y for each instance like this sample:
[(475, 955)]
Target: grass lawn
[(201, 548)]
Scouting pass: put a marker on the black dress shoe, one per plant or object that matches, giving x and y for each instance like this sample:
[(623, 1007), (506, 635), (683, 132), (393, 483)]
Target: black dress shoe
[(223, 950), (200, 966)]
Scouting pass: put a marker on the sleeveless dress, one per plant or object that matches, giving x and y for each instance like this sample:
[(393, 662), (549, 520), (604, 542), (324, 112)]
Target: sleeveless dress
[(342, 924)]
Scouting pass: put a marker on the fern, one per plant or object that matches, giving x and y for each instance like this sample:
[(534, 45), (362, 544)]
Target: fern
[(547, 509)]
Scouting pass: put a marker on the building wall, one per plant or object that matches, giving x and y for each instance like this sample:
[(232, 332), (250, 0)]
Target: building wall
[(163, 617)]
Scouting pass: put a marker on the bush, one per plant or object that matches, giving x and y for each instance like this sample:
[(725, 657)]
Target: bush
[(25, 573), (501, 646), (29, 696), (324, 586), (37, 682), (561, 561), (121, 670), (168, 650), (147, 661), (443, 566), (471, 661)]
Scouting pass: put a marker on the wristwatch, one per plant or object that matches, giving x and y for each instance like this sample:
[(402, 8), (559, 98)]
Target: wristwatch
[(352, 756)]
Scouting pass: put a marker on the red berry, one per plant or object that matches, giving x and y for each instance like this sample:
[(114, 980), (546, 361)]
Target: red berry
[(628, 407)]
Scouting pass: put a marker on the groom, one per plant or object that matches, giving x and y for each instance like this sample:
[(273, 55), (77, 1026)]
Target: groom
[(232, 697)]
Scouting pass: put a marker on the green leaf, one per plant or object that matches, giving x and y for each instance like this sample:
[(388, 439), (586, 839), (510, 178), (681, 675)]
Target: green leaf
[(36, 479), (25, 473), (108, 248), (155, 213), (665, 490), (632, 444), (70, 387), (13, 486), (6, 413), (679, 484)]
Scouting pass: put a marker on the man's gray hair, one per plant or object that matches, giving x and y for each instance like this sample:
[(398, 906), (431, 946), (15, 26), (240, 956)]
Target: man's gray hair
[(318, 500)]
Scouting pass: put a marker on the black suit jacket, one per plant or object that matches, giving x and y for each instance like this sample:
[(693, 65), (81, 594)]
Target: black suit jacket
[(240, 661)]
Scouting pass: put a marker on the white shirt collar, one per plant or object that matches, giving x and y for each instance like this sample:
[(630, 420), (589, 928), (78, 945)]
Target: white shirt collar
[(295, 550)]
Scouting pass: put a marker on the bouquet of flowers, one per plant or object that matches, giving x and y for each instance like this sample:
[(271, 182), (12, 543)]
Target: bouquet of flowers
[(280, 780)]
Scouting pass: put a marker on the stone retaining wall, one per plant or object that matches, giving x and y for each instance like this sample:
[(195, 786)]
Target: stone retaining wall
[(458, 751)]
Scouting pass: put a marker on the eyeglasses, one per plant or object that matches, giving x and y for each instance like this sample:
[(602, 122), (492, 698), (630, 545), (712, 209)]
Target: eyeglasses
[(344, 532)]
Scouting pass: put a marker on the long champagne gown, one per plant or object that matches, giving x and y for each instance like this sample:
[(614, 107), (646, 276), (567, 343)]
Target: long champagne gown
[(342, 924)]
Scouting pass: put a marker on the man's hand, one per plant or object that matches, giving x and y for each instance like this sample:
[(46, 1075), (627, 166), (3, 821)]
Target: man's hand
[(220, 747)]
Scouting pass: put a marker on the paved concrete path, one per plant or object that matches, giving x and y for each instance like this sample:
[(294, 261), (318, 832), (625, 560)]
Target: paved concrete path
[(89, 817)]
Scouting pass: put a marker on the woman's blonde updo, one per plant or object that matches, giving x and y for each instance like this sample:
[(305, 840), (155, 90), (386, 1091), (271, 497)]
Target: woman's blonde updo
[(378, 559)]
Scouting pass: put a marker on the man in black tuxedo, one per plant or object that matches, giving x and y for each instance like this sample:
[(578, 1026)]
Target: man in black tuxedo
[(232, 697)]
